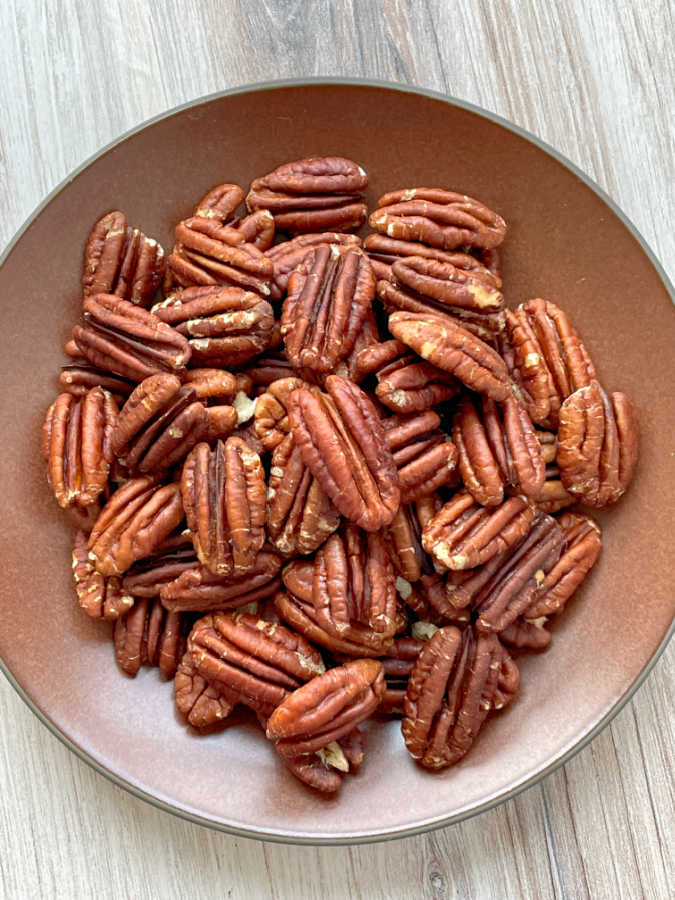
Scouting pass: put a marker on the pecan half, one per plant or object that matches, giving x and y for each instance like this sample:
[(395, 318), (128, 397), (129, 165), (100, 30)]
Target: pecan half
[(268, 368), (258, 229), (259, 663), (384, 251), (327, 708), (271, 411), (128, 341), (403, 540), (300, 515), (76, 446), (79, 378), (583, 548), (122, 261), (211, 383), (447, 345), (405, 384), (158, 425), (398, 665), (148, 576), (148, 635), (448, 285), (100, 597), (450, 692), (287, 255), (202, 703), (463, 534), (309, 195), (221, 421), (133, 524), (497, 447), (196, 589), (220, 203), (425, 458), (523, 634), (597, 445), (440, 218), (549, 360), (224, 499), (342, 441), (225, 326), (325, 770)]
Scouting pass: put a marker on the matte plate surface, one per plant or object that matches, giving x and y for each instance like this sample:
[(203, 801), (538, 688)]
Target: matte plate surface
[(564, 243)]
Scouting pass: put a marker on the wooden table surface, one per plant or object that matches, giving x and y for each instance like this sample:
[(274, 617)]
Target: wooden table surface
[(593, 79)]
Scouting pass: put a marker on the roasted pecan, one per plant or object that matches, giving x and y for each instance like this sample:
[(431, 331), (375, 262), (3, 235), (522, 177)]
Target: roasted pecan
[(158, 425), (287, 255), (100, 597), (368, 335), (299, 514), (424, 456), (327, 708), (148, 635), (76, 446), (553, 497), (448, 285), (79, 378), (397, 665), (258, 229), (271, 411), (208, 253), (463, 534), (447, 345), (549, 360), (209, 384), (597, 445), (196, 589), (148, 576), (523, 634), (268, 368), (403, 540), (202, 703), (425, 598), (405, 384), (221, 421), (220, 203), (497, 447), (450, 692), (384, 251), (583, 548), (133, 524), (224, 499), (122, 261), (325, 770), (342, 441), (259, 663), (310, 195), (225, 326), (329, 294), (128, 341)]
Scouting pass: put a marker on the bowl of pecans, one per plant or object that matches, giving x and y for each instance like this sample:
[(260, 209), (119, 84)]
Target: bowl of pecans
[(358, 449)]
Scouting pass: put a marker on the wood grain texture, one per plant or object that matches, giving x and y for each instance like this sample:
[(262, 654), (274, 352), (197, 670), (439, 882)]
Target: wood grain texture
[(596, 81)]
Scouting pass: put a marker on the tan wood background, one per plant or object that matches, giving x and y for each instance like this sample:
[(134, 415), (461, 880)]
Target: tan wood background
[(594, 79)]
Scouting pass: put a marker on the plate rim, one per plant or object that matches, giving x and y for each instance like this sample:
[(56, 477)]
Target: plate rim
[(503, 796)]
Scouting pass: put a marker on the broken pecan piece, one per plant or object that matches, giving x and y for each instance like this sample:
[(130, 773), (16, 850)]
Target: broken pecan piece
[(342, 441), (99, 596), (445, 344), (463, 534), (311, 195), (196, 589), (325, 770), (424, 456), (597, 445), (202, 703), (271, 411), (129, 341), (76, 446), (224, 497), (525, 634), (148, 635), (327, 708), (224, 326)]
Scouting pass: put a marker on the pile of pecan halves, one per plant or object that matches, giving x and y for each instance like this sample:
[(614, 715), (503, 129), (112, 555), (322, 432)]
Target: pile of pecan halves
[(321, 476)]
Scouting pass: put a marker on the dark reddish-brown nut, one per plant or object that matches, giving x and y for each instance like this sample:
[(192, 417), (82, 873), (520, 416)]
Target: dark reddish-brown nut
[(329, 294), (525, 634), (212, 384), (403, 540), (342, 441), (405, 383), (129, 341), (300, 515), (325, 770), (268, 367), (508, 681), (220, 203), (448, 285), (397, 665), (289, 254), (149, 575), (311, 195), (425, 597), (76, 446), (158, 425), (553, 497), (202, 703), (208, 253), (450, 692), (224, 498), (122, 261), (385, 251), (583, 548), (136, 520), (271, 411), (440, 218), (445, 344), (225, 326), (424, 456), (221, 421), (463, 534), (100, 597), (327, 708), (196, 589), (497, 447), (259, 663), (368, 335), (548, 359), (597, 445), (78, 379), (148, 635), (257, 229)]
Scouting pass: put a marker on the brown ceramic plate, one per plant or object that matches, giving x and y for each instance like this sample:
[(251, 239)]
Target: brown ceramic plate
[(566, 241)]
